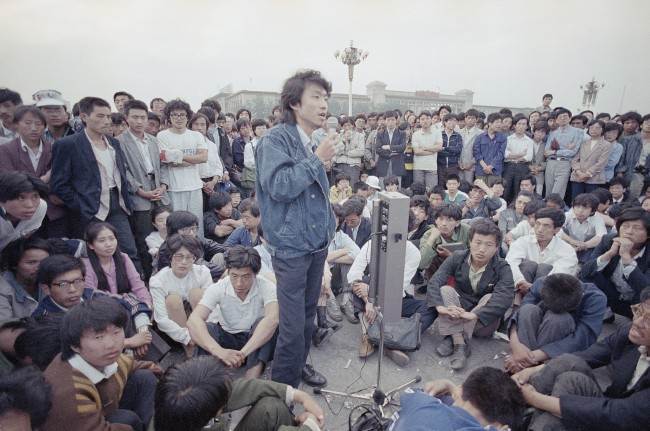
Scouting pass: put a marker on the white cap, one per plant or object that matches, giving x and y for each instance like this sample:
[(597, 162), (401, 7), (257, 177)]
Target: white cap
[(373, 182), (48, 98)]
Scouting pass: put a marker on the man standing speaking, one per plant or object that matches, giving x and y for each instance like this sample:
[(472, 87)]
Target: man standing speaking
[(292, 191)]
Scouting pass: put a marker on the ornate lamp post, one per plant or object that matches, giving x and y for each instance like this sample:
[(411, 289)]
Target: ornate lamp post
[(590, 92), (351, 56)]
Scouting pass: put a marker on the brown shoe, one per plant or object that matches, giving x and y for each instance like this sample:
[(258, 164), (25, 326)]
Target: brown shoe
[(399, 357), (365, 348)]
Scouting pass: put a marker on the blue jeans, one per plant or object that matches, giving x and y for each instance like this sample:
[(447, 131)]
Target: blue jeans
[(137, 402), (299, 283)]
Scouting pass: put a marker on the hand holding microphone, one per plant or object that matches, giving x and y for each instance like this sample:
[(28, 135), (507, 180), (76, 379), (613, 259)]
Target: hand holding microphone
[(326, 150)]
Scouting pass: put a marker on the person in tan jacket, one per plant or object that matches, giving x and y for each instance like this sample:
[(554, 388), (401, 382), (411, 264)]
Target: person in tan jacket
[(587, 167)]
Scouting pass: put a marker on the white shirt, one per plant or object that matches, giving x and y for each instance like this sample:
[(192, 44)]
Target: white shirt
[(523, 228), (237, 315), (641, 367), (154, 241), (213, 166), (518, 145), (93, 374), (626, 269), (106, 159), (249, 154), (411, 263), (188, 143), (592, 226), (34, 157), (143, 147), (9, 232), (426, 141), (165, 283), (343, 241), (560, 255)]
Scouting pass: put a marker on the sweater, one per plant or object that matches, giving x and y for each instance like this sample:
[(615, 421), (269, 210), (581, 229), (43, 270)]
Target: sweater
[(135, 282)]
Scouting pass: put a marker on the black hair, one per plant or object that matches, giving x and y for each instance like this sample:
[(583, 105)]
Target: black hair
[(447, 107), (531, 178), (631, 115), (26, 390), (584, 120), (234, 190), (156, 99), (196, 117), (23, 110), (603, 195), (178, 220), (448, 210), (645, 118), (192, 244), (353, 206), (276, 108), (257, 123), (135, 104), (15, 251), (453, 177), (213, 104), (249, 205), (96, 314), (547, 95), (41, 340), (460, 116), (526, 194), (241, 111), (122, 93), (239, 256), (242, 122), (117, 118), (219, 200), (505, 112), (517, 118), (494, 181), (391, 114), (620, 181), (420, 201), (556, 199), (391, 180), (450, 116), (87, 104), (586, 200), (341, 176), (425, 113), (602, 115), (209, 113), (153, 116), (494, 117), (556, 215), (531, 207), (13, 184), (632, 214), (53, 266), (560, 110), (561, 293), (359, 185), (542, 125), (156, 211), (7, 95), (483, 226), (372, 115), (418, 188), (293, 89), (472, 113), (190, 394), (178, 105), (121, 279), (496, 395)]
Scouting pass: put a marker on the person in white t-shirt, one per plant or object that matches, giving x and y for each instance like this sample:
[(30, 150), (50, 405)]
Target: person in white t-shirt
[(426, 144), (184, 151), (176, 286), (248, 327)]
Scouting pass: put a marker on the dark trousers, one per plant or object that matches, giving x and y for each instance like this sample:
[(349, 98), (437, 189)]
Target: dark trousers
[(120, 221), (142, 227), (537, 328), (579, 188), (137, 402), (299, 284), (513, 173), (444, 172), (614, 301), (565, 375), (410, 306), (236, 341), (267, 414)]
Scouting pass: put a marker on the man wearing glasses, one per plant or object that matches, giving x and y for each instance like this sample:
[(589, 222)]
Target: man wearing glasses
[(247, 330), (565, 392), (183, 150)]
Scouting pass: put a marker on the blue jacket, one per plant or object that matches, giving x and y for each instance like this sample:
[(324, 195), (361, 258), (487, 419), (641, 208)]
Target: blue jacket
[(293, 194), (75, 174), (491, 151), (241, 236), (588, 318), (395, 155), (452, 146)]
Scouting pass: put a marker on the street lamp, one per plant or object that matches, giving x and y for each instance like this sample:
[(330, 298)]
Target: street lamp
[(351, 56)]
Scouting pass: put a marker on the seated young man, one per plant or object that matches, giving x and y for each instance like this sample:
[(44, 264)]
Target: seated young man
[(248, 234), (247, 329), (22, 206), (481, 293), (604, 203), (542, 253), (192, 393), (487, 400), (94, 385), (61, 278), (620, 264), (19, 292), (481, 202), (567, 396), (40, 342), (219, 222), (420, 213), (524, 227), (583, 229), (341, 189), (446, 229), (559, 314), (618, 188), (363, 306), (556, 201), (529, 184), (453, 195), (26, 400), (356, 226)]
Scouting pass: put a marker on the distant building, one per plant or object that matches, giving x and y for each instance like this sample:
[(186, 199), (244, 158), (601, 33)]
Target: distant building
[(377, 98)]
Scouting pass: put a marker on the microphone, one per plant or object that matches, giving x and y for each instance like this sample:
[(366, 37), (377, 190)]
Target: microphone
[(332, 124)]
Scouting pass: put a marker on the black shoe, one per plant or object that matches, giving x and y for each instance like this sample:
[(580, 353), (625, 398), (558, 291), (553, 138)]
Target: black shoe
[(320, 335), (446, 347), (459, 357), (312, 377)]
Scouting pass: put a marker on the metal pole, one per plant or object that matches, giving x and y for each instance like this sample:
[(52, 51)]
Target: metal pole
[(350, 99)]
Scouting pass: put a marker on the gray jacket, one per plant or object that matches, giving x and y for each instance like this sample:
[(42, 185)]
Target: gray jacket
[(15, 302), (135, 164)]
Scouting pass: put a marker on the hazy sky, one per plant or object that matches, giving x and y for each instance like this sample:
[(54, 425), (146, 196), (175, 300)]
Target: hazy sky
[(508, 52)]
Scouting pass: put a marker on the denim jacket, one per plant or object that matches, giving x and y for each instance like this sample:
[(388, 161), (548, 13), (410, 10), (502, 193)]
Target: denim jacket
[(292, 191)]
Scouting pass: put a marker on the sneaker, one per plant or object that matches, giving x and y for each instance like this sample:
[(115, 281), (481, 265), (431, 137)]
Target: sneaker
[(400, 358), (333, 309), (348, 312), (365, 348), (459, 357), (446, 347)]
